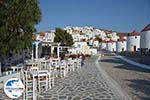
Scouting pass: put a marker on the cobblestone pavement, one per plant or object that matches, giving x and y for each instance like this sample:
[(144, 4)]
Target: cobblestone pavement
[(3, 96), (84, 84)]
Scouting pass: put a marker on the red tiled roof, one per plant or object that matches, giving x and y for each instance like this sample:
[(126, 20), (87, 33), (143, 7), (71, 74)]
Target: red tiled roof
[(134, 33), (104, 41), (122, 39), (147, 28), (111, 40)]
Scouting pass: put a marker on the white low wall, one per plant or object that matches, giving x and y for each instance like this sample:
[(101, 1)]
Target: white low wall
[(133, 62), (5, 78)]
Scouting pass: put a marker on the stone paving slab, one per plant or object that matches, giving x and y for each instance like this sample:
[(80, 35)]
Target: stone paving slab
[(84, 84)]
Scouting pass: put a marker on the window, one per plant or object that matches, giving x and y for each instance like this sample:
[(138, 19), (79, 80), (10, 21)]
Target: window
[(79, 46), (135, 37)]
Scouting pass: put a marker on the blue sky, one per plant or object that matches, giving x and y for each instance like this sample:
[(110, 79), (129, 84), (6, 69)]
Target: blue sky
[(116, 15)]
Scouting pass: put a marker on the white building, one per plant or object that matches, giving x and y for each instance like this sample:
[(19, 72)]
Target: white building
[(121, 44), (102, 34), (49, 37), (39, 37), (90, 42), (145, 37), (95, 43), (46, 36), (111, 45), (77, 28), (133, 41), (78, 37), (68, 29), (89, 35), (93, 51), (80, 48), (113, 36), (103, 45)]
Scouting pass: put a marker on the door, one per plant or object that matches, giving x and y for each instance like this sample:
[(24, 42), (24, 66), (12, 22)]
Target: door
[(122, 49), (134, 48)]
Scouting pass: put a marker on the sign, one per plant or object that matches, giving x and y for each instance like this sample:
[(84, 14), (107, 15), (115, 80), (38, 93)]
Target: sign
[(13, 88)]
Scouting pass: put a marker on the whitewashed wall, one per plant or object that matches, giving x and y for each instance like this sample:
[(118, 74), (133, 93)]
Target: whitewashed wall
[(111, 46), (80, 47), (103, 45), (145, 39), (95, 44), (121, 45), (133, 41)]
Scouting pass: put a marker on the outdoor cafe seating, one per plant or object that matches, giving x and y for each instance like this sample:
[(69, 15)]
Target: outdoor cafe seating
[(42, 73)]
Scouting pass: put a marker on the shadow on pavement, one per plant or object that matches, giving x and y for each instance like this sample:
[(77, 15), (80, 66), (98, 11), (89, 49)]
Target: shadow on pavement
[(141, 87), (132, 67), (116, 61), (123, 65)]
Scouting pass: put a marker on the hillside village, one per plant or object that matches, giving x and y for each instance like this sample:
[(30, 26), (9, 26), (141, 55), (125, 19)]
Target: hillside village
[(86, 42)]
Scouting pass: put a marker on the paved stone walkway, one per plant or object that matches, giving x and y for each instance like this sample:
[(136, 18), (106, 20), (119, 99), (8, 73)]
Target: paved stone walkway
[(133, 80), (84, 84)]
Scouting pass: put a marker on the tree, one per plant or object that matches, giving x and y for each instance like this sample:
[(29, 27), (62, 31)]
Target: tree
[(108, 36), (17, 21), (63, 37), (99, 39)]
